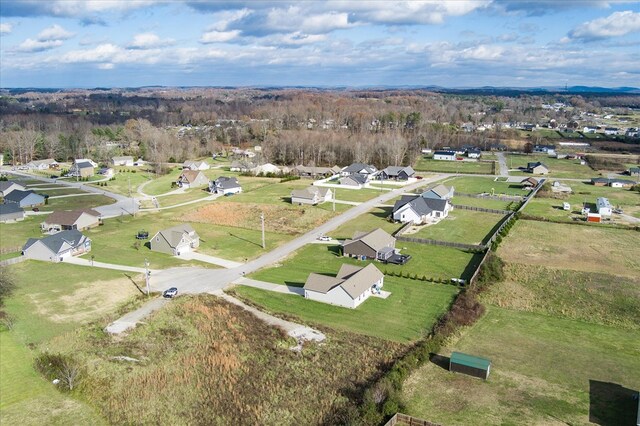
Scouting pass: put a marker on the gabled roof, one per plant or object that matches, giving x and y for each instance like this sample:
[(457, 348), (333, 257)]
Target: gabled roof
[(376, 239), (440, 190), (4, 185), (321, 283), (530, 180), (175, 234), (355, 280), (226, 182), (9, 208), (190, 176), (357, 167), (69, 217), (310, 192), (123, 158), (422, 206), (84, 165), (18, 195), (536, 164), (55, 242), (442, 152), (395, 170), (45, 161), (358, 178)]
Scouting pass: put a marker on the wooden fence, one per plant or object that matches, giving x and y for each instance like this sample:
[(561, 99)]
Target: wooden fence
[(441, 243), (481, 209), (493, 197), (403, 419)]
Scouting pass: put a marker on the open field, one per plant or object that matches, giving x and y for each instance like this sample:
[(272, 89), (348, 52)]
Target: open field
[(160, 184), (479, 185), (581, 248), (358, 195), (583, 193), (431, 261), (128, 177), (61, 190), (461, 226), (408, 314), (431, 165), (80, 202), (17, 233), (375, 218), (557, 168), (545, 370), (214, 360)]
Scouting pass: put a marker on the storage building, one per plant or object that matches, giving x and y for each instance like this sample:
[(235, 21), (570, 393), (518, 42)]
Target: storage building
[(469, 364)]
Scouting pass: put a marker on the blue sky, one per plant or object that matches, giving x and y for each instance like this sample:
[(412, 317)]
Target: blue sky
[(457, 43)]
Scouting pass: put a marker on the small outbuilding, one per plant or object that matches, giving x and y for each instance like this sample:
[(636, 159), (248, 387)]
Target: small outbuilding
[(10, 212), (470, 365)]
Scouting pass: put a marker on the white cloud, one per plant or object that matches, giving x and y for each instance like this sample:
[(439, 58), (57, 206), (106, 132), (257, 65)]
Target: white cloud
[(54, 32), (149, 41), (615, 25), (6, 28), (219, 36), (71, 8), (31, 45)]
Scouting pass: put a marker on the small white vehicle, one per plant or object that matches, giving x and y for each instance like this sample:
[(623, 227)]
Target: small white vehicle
[(324, 238)]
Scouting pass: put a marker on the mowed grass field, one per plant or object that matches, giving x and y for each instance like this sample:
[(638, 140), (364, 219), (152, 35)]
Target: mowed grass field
[(373, 219), (461, 226), (573, 247), (408, 314), (431, 165), (479, 185), (79, 202), (560, 168)]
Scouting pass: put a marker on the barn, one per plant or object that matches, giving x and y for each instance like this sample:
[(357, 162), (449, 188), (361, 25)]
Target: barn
[(469, 364)]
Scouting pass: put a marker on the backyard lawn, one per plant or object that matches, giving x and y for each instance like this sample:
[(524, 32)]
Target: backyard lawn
[(479, 185), (462, 226), (375, 218), (79, 202), (406, 315), (557, 168), (128, 178), (431, 165)]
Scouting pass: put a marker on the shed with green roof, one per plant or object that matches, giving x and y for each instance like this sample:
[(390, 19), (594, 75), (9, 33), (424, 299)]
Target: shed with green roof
[(469, 364)]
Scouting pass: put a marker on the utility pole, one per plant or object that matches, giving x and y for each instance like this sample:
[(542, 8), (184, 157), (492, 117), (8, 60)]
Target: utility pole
[(264, 245), (146, 275)]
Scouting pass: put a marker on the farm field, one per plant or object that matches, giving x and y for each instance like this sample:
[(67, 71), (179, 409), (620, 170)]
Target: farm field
[(431, 261), (557, 168), (214, 360), (479, 185), (430, 165), (406, 315), (581, 248), (561, 383), (461, 226)]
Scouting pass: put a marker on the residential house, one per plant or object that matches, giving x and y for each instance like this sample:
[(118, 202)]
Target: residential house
[(195, 165), (243, 166), (126, 160), (611, 131), (349, 288), (537, 168), (396, 173), (47, 164), (86, 160), (445, 155), (418, 209), (359, 169), (376, 244), (474, 153), (545, 149), (82, 169), (313, 172), (439, 192), (600, 181), (57, 247), (604, 206), (612, 182), (355, 180), (529, 182), (25, 199), (106, 172), (311, 195), (267, 168), (192, 179), (633, 171), (7, 186), (225, 185), (10, 212), (176, 240), (70, 219), (589, 129)]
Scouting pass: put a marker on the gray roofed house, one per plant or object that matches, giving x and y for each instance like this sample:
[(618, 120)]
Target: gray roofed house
[(70, 219), (376, 244), (176, 240), (42, 164), (351, 286), (125, 160), (439, 192), (310, 171), (24, 199), (355, 179), (7, 186), (225, 185), (634, 171), (358, 168), (10, 212), (537, 168), (195, 165), (81, 169), (311, 195), (397, 173), (56, 247), (418, 209)]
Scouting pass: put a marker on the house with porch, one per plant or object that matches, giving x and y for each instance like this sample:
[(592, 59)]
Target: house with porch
[(176, 240), (46, 164), (225, 185), (57, 247), (359, 169), (71, 219), (351, 286), (396, 173), (355, 180), (417, 209)]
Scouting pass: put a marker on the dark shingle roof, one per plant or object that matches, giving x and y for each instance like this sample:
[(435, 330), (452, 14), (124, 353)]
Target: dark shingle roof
[(54, 242), (17, 195), (9, 208), (357, 167), (420, 205)]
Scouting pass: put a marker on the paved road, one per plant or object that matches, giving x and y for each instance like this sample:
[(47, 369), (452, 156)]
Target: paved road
[(87, 262), (209, 259), (502, 164), (132, 319)]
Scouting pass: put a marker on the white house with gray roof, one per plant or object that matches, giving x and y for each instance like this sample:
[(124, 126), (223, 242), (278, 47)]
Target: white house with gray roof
[(125, 160), (397, 173), (418, 209), (355, 180), (57, 247), (176, 240), (225, 185), (7, 186), (439, 192), (46, 164), (10, 212), (349, 288), (311, 195), (359, 168), (376, 244), (24, 199)]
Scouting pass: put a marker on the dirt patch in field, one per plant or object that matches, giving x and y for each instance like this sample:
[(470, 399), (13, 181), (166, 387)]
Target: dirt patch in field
[(90, 301), (281, 219)]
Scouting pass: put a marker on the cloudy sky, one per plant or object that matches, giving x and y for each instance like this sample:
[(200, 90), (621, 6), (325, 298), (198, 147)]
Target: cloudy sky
[(456, 43)]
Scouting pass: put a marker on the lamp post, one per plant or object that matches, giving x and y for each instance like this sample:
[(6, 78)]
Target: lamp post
[(262, 221), (146, 275)]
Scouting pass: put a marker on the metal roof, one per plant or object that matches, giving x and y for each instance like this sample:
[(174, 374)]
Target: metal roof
[(470, 360)]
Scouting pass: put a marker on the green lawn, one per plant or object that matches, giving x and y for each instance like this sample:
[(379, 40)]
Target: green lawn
[(62, 190), (479, 185), (126, 178), (486, 203), (557, 168), (161, 184), (17, 233), (408, 314), (375, 218), (272, 192), (544, 370), (27, 399), (357, 195), (462, 226), (431, 261), (80, 202), (431, 165)]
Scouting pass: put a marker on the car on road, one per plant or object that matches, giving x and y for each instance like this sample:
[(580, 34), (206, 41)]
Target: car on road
[(170, 293), (398, 259), (324, 238)]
